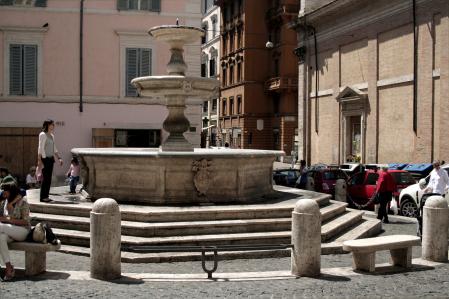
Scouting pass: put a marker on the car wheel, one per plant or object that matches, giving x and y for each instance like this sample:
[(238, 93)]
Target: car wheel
[(409, 208)]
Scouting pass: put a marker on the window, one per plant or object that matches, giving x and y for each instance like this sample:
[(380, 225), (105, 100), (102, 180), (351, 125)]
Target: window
[(212, 67), (148, 5), (224, 112), (214, 105), (36, 3), (231, 74), (205, 106), (223, 72), (138, 64), (371, 179), (23, 70), (231, 41), (204, 37), (203, 70), (223, 45), (276, 67), (276, 102), (239, 39), (239, 105), (231, 106), (214, 26), (239, 72), (137, 138)]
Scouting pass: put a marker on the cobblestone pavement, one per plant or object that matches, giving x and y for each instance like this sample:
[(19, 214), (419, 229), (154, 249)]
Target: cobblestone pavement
[(422, 281)]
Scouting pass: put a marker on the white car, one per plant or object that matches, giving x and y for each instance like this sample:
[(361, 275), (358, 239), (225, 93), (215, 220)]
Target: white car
[(410, 196)]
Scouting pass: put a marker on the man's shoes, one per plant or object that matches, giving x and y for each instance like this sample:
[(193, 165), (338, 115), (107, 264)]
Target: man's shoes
[(386, 221), (46, 200)]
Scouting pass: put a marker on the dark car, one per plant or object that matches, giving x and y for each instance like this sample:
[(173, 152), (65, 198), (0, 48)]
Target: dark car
[(286, 177), (362, 185), (325, 178)]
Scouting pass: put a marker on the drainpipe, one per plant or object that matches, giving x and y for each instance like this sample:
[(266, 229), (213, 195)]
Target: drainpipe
[(415, 70), (81, 53), (316, 80)]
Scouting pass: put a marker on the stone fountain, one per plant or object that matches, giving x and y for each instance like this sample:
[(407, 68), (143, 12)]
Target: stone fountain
[(176, 173)]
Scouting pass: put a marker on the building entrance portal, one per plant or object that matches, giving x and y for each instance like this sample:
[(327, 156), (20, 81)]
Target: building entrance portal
[(352, 131)]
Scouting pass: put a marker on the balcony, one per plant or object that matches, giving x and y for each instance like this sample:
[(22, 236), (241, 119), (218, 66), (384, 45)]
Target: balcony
[(280, 84)]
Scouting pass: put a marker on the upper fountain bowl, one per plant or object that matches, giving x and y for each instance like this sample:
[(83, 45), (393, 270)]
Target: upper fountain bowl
[(175, 35)]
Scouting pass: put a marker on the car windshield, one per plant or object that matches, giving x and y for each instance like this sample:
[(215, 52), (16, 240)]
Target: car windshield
[(334, 175), (403, 178)]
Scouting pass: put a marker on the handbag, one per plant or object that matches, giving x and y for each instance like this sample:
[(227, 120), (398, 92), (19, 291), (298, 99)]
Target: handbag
[(39, 176)]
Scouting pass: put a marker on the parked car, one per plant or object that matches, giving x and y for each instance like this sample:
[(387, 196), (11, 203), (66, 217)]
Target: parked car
[(410, 196), (362, 185), (351, 168), (286, 177), (325, 178), (420, 170)]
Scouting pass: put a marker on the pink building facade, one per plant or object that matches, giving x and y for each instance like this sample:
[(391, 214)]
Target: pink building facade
[(43, 74)]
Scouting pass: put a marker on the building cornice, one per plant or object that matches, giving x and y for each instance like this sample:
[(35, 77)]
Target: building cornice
[(352, 24), (23, 29)]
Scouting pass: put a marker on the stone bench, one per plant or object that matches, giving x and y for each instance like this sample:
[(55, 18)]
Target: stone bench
[(35, 255), (364, 250)]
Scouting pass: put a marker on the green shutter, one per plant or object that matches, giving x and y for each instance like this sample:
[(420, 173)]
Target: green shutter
[(15, 69), (145, 62), (40, 3), (122, 4), (131, 70), (30, 70), (156, 5), (6, 2)]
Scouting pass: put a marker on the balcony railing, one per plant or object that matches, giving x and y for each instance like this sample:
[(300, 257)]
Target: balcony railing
[(281, 83)]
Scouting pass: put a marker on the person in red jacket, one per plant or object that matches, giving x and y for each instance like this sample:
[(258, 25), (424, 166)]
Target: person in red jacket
[(385, 187)]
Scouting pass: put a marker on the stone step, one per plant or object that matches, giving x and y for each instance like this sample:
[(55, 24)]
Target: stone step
[(366, 228), (267, 236), (340, 223), (275, 208), (182, 228)]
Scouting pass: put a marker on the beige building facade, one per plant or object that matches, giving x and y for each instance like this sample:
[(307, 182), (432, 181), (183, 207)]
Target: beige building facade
[(368, 106)]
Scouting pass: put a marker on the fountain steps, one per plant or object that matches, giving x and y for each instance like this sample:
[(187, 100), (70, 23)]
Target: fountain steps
[(366, 228), (267, 223), (185, 228)]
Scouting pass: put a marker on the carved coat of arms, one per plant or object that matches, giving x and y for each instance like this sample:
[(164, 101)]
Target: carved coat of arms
[(201, 179)]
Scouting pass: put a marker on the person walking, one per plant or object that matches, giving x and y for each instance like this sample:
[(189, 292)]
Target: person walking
[(385, 187), (46, 153), (14, 223)]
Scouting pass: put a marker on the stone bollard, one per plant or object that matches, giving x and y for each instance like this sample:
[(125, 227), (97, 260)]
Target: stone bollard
[(435, 229), (340, 190), (306, 238), (105, 240)]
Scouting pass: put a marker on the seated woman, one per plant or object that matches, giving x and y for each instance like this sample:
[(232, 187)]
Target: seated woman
[(14, 223)]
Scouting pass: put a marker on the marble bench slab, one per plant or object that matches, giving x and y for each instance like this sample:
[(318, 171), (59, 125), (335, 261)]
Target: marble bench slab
[(35, 255), (364, 250)]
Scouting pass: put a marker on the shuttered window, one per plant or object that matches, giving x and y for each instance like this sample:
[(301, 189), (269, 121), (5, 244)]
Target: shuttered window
[(138, 64), (37, 3), (148, 5), (23, 70)]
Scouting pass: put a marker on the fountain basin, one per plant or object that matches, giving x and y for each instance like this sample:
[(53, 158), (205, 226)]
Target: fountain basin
[(151, 176), (170, 85)]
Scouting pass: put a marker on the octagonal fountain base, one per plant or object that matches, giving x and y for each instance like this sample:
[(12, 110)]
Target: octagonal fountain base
[(150, 176)]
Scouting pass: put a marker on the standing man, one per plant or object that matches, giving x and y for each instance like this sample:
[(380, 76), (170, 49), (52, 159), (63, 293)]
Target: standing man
[(439, 180), (385, 187)]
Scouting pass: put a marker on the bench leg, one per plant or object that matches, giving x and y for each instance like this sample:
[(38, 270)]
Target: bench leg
[(402, 257), (364, 261), (35, 263)]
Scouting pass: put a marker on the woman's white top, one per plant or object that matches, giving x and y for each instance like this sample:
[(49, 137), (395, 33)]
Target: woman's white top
[(47, 146)]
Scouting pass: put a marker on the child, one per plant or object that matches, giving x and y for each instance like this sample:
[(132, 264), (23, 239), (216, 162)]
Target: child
[(74, 174), (31, 178)]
